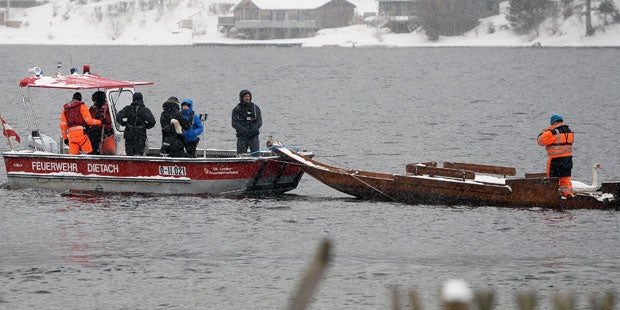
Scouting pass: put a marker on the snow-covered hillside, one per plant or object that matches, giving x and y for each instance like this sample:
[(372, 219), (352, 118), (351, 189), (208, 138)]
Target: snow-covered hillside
[(195, 21)]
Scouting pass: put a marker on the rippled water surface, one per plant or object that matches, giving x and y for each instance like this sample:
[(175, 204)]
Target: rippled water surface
[(375, 109)]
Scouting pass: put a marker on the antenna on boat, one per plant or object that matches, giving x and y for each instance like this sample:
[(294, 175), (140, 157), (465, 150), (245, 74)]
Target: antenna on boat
[(58, 66), (203, 118)]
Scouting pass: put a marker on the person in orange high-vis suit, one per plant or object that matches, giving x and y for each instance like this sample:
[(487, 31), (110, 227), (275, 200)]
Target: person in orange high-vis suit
[(74, 117), (558, 140)]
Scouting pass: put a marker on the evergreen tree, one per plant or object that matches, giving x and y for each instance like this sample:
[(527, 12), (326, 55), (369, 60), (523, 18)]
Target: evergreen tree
[(608, 8), (525, 16)]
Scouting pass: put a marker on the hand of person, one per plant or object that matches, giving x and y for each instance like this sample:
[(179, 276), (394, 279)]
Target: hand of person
[(66, 141)]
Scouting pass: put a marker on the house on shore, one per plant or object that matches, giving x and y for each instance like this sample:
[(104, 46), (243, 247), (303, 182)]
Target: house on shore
[(7, 5), (21, 3), (402, 15), (273, 19)]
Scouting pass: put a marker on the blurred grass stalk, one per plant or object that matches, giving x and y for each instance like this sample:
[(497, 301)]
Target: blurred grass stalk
[(312, 277)]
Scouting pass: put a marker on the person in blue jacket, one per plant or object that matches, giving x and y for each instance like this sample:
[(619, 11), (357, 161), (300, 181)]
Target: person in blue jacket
[(192, 135)]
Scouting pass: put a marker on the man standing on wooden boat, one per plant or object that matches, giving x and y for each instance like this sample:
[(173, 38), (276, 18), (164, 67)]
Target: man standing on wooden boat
[(247, 120), (558, 139), (136, 118), (73, 119)]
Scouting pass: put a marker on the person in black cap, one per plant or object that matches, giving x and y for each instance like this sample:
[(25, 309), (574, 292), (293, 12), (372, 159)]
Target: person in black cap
[(136, 118), (247, 120), (73, 119), (172, 126)]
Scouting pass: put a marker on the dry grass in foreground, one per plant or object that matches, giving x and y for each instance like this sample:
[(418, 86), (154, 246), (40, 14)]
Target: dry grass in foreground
[(455, 293)]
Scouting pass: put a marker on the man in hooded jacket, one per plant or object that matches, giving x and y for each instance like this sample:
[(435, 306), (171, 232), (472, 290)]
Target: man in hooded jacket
[(247, 120), (172, 126), (192, 134), (136, 118)]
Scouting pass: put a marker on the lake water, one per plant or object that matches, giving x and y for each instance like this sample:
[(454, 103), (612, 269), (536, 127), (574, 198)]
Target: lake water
[(367, 108)]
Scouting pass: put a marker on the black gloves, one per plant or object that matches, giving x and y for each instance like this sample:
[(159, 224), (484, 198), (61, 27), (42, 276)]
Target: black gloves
[(66, 141)]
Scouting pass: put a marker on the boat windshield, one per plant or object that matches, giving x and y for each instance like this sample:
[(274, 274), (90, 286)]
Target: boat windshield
[(118, 99)]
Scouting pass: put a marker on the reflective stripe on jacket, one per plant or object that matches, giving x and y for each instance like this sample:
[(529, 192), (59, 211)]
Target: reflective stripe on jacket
[(75, 113), (558, 140)]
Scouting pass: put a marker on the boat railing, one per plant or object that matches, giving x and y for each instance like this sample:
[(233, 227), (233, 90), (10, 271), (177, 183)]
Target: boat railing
[(211, 153)]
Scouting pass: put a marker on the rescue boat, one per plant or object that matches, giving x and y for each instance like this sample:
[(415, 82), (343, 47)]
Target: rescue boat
[(45, 164)]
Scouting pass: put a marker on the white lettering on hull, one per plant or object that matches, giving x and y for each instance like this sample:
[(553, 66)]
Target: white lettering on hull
[(172, 170), (221, 170), (55, 167), (102, 168)]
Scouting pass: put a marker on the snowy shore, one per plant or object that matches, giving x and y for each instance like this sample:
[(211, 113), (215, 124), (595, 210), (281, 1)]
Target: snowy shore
[(79, 25)]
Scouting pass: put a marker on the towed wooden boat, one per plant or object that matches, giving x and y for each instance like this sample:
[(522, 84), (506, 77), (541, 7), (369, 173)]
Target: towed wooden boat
[(456, 184), (45, 165)]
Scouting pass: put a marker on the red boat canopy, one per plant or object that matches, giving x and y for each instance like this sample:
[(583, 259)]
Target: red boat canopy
[(77, 81)]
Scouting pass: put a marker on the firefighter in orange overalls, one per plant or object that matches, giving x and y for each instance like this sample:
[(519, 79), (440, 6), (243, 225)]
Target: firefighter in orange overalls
[(558, 139), (74, 117)]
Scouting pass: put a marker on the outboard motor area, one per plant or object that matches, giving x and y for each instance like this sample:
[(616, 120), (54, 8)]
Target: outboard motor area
[(42, 143)]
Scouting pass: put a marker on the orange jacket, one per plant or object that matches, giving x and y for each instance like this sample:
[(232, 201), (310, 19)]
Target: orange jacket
[(70, 119), (558, 139)]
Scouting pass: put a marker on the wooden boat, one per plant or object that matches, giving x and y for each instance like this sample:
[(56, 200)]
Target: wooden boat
[(456, 184), (44, 165)]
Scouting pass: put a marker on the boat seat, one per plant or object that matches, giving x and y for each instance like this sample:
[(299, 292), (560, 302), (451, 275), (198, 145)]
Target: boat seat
[(488, 169), (431, 171)]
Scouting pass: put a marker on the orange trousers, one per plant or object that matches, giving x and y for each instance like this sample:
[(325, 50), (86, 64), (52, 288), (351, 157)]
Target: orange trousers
[(78, 140), (566, 187)]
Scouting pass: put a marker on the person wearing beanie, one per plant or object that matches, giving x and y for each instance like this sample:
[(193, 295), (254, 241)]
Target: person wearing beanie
[(136, 118), (192, 134), (558, 140), (172, 126), (247, 121), (99, 110), (73, 119)]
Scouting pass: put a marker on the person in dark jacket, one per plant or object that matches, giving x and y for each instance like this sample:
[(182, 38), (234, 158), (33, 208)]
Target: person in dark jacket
[(136, 118), (172, 126), (99, 110), (247, 120), (192, 135)]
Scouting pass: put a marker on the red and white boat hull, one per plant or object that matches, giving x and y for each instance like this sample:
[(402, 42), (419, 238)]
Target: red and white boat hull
[(159, 175)]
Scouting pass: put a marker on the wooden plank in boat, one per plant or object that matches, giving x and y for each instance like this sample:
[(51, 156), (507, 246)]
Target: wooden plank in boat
[(499, 170), (535, 175), (416, 169), (612, 188)]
